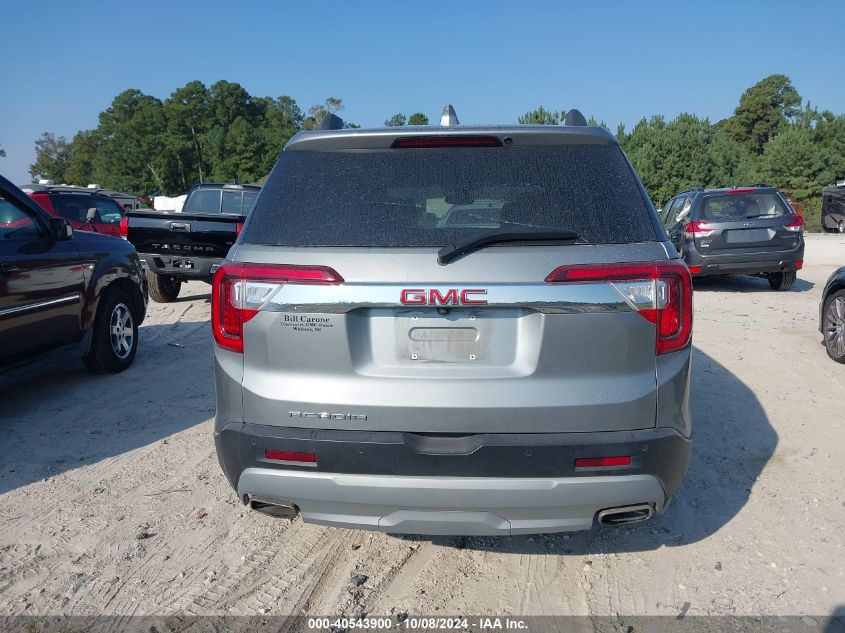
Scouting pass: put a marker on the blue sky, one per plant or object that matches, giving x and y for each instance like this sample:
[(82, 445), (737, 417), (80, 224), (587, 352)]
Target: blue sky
[(61, 63)]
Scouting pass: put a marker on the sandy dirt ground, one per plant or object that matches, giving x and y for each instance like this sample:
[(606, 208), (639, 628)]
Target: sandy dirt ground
[(112, 502)]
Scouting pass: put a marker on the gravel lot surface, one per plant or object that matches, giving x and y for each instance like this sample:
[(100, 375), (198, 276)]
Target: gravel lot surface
[(112, 502)]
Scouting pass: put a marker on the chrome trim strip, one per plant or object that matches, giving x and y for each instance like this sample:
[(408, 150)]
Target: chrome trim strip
[(74, 298), (546, 297)]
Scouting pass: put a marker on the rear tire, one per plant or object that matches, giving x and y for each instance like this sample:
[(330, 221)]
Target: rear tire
[(163, 288), (834, 326), (782, 281), (114, 338)]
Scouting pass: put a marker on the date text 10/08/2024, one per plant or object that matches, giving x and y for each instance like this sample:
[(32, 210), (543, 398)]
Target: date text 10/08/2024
[(418, 623)]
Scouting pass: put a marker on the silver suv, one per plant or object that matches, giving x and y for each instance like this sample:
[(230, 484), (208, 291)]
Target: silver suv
[(454, 330)]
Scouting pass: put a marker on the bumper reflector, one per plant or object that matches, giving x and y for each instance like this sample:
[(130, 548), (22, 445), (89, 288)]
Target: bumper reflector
[(599, 462), (291, 456)]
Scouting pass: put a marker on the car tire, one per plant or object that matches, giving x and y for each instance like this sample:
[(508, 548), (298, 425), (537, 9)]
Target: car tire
[(114, 338), (163, 288), (833, 326), (782, 281)]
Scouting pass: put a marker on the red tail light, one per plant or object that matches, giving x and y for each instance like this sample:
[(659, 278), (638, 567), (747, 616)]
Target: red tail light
[(598, 462), (795, 224), (667, 303), (698, 229), (240, 290), (239, 226), (799, 264), (446, 141), (124, 227), (291, 456), (744, 190)]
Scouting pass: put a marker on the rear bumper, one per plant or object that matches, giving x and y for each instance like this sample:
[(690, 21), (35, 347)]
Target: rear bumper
[(450, 505), (187, 266), (743, 262), (479, 484)]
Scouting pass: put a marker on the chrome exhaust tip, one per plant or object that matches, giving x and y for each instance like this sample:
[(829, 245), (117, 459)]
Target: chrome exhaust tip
[(626, 514), (278, 509)]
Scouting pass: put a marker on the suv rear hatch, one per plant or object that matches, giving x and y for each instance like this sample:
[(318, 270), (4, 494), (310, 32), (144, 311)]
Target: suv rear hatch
[(743, 221), (349, 321)]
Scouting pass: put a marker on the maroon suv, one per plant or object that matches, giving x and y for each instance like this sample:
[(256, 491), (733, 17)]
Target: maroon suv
[(86, 210)]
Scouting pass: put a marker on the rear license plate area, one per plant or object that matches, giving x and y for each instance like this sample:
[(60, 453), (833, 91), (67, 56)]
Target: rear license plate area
[(456, 337), (489, 342), (174, 263), (745, 236)]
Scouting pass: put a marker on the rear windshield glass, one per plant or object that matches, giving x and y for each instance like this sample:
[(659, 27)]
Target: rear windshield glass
[(742, 206), (232, 201), (203, 201), (434, 197)]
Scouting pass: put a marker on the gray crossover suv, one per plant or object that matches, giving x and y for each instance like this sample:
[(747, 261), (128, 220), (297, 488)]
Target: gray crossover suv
[(454, 330), (747, 230)]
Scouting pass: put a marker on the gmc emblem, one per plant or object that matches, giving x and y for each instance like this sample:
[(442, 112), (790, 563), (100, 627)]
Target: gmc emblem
[(432, 296)]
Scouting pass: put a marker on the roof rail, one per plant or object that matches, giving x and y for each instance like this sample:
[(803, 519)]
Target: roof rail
[(449, 116), (574, 117), (760, 184), (331, 122)]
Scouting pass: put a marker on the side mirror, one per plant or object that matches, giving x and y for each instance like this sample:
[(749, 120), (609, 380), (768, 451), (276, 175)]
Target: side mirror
[(91, 215), (60, 229)]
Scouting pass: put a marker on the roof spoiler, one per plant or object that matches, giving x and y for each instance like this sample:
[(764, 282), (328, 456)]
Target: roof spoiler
[(331, 122), (574, 117)]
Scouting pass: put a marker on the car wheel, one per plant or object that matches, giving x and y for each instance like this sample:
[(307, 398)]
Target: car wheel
[(834, 326), (114, 339), (782, 281), (163, 288)]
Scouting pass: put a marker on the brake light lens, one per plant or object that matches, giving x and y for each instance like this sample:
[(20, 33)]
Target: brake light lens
[(240, 290), (698, 229), (738, 191), (600, 462), (446, 141), (239, 226), (795, 224), (659, 292), (124, 227)]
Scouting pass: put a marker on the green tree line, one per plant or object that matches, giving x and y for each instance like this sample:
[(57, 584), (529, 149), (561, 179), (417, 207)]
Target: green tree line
[(222, 133), (771, 137), (199, 133)]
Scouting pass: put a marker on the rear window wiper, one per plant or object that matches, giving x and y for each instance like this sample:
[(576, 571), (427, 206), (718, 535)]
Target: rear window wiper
[(450, 252)]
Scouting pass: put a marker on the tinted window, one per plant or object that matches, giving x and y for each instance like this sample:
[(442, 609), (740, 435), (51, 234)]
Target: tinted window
[(249, 200), (108, 211), (203, 201), (668, 209), (432, 197), (743, 206), (232, 201), (15, 223), (71, 206), (75, 207)]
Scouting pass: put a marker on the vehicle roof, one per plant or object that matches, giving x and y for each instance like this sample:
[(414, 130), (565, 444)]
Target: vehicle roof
[(36, 188), (226, 185), (382, 138), (756, 188), (39, 188)]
